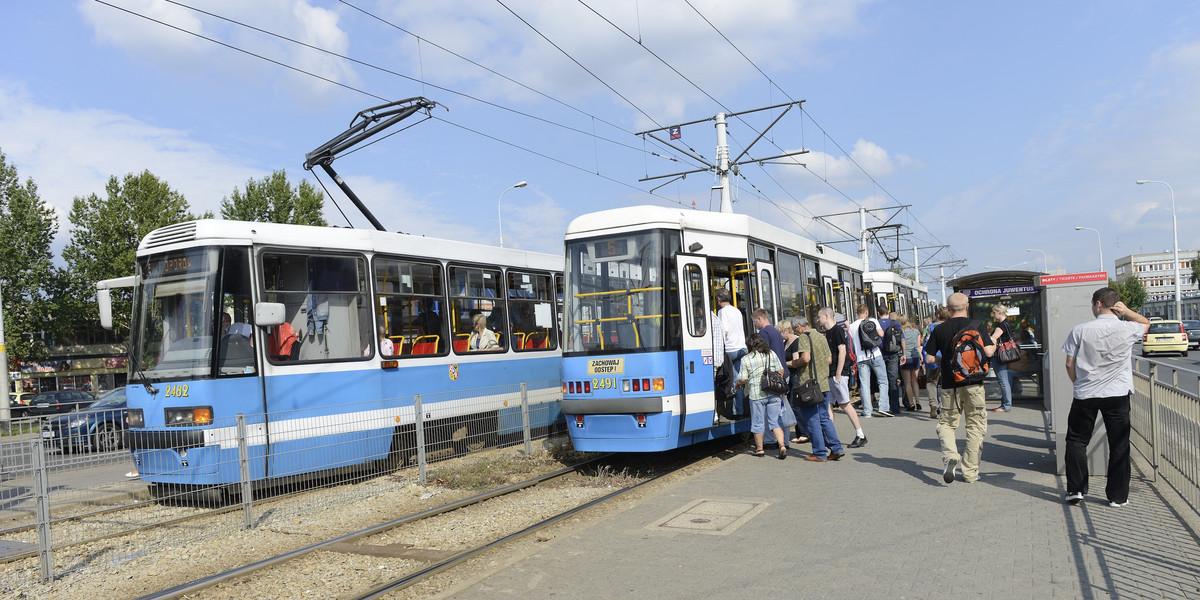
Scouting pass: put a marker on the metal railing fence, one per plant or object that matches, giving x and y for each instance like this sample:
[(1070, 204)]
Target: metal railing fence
[(1165, 422), (51, 498)]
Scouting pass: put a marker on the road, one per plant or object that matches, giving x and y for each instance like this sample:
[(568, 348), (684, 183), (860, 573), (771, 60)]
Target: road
[(1186, 369)]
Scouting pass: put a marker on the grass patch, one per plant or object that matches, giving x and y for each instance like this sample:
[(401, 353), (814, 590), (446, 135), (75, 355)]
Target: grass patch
[(497, 469)]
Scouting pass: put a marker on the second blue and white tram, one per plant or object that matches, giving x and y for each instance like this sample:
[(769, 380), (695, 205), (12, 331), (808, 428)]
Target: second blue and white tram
[(892, 292), (638, 303), (323, 338)]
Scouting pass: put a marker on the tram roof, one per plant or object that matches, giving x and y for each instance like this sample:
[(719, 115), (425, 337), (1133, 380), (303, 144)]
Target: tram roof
[(994, 279), (222, 231), (635, 218), (895, 279)]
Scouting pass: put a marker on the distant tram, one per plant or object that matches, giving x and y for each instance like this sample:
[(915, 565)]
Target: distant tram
[(321, 337), (898, 294), (637, 361)]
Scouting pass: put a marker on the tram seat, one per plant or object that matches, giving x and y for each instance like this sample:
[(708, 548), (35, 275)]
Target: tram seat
[(460, 346), (536, 339), (426, 344), (518, 340)]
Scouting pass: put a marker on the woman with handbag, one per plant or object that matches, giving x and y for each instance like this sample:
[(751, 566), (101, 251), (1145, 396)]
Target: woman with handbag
[(1002, 335), (912, 363), (791, 346), (812, 392), (765, 404)]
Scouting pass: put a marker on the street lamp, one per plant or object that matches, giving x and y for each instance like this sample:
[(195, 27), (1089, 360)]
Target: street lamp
[(499, 216), (1045, 262), (1175, 232), (1099, 243)]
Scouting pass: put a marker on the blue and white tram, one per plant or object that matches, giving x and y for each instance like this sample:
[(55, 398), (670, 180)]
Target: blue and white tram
[(897, 293), (322, 338), (640, 284)]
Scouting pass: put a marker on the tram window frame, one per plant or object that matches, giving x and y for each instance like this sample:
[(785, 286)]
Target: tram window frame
[(235, 263), (543, 294), (696, 287), (416, 303), (791, 293), (300, 269), (496, 315)]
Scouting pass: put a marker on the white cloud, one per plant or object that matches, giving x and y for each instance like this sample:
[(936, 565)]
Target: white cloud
[(179, 52)]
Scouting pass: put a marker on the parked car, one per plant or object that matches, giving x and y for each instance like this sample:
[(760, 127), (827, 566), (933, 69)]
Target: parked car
[(18, 404), (1165, 336), (1193, 332), (99, 427), (61, 401)]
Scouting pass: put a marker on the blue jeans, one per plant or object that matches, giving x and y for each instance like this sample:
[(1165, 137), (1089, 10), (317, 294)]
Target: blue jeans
[(821, 429), (735, 358), (1004, 376), (765, 411), (865, 368), (891, 364)]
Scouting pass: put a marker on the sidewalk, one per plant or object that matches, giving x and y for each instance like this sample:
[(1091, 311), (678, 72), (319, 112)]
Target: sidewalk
[(878, 524)]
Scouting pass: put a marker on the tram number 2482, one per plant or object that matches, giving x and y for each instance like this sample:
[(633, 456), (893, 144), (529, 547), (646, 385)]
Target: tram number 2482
[(176, 391)]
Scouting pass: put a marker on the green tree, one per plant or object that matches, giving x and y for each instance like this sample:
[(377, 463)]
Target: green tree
[(27, 226), (1131, 291), (272, 199), (104, 240)]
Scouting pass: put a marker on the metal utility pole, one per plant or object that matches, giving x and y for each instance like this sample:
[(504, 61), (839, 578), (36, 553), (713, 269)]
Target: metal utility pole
[(862, 232), (724, 165), (5, 413)]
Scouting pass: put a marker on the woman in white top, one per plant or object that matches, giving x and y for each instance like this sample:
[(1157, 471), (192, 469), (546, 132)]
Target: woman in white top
[(482, 338)]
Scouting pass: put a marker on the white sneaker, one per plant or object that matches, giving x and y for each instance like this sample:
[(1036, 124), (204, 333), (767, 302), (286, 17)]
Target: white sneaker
[(1118, 505), (1074, 498), (950, 470)]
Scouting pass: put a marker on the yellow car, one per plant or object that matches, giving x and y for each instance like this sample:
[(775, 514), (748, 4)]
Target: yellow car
[(1165, 336)]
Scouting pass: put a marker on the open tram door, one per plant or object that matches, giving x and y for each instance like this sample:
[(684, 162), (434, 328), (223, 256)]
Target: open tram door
[(696, 397)]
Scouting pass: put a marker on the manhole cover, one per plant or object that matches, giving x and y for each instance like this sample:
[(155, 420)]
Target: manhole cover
[(714, 517)]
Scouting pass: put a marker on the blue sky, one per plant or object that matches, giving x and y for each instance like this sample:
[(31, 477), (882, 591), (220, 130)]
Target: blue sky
[(1002, 125)]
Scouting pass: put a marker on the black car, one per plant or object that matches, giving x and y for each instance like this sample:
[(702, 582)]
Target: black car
[(52, 403), (99, 427), (1193, 332)]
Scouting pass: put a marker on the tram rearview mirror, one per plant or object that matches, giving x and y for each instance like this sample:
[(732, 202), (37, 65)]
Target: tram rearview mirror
[(104, 303), (268, 314)]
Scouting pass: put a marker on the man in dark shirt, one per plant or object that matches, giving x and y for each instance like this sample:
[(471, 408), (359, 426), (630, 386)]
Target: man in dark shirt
[(774, 339), (839, 371), (967, 400)]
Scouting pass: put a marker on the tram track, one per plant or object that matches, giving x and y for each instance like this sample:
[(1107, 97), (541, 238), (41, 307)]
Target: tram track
[(284, 567)]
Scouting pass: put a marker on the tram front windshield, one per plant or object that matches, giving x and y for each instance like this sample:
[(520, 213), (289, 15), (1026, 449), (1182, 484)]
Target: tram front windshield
[(622, 294), (176, 324)]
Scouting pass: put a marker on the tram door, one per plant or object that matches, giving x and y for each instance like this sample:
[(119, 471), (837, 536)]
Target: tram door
[(766, 289), (831, 298), (697, 400)]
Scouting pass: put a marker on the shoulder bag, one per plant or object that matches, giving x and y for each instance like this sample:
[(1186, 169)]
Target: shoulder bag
[(1008, 352), (772, 382), (808, 394)]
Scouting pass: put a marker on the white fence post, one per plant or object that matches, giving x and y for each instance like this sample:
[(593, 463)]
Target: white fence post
[(1153, 422), (41, 489), (244, 471), (419, 424)]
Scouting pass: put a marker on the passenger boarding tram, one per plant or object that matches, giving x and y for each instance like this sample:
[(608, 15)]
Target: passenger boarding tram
[(322, 337), (640, 282)]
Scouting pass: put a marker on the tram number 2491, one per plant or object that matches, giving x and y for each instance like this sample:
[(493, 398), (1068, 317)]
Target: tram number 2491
[(176, 391), (604, 383)]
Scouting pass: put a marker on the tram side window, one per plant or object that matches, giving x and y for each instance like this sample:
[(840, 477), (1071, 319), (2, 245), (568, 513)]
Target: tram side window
[(475, 292), (791, 301), (531, 311), (697, 317), (235, 344), (410, 300), (326, 307)]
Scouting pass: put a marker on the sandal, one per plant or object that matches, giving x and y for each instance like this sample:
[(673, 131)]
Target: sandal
[(783, 452), (759, 453), (800, 440)]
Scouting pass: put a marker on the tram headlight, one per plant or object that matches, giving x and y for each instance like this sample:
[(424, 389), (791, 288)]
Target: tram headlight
[(192, 415), (134, 418)]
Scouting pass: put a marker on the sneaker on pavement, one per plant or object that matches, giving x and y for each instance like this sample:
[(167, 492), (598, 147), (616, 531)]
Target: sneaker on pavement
[(884, 413), (858, 442), (1074, 498), (950, 470), (1118, 504)]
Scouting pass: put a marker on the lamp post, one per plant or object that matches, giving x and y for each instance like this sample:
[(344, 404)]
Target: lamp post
[(1175, 234), (1045, 261), (1098, 243), (499, 215)]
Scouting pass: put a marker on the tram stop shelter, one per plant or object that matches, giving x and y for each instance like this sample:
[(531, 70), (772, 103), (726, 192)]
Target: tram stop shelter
[(1018, 290)]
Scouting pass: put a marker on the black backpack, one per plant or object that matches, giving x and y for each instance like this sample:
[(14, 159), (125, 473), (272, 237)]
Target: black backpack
[(969, 362), (868, 335), (893, 339)]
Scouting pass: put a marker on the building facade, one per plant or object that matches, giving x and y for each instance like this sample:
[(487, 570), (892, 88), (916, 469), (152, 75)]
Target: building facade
[(1157, 273)]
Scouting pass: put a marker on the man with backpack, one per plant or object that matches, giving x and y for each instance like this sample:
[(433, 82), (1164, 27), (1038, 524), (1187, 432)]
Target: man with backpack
[(961, 347), (866, 335), (893, 354)]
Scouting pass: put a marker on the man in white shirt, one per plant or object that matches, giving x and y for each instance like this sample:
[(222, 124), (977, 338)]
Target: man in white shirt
[(1098, 363), (734, 330), (869, 361)]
